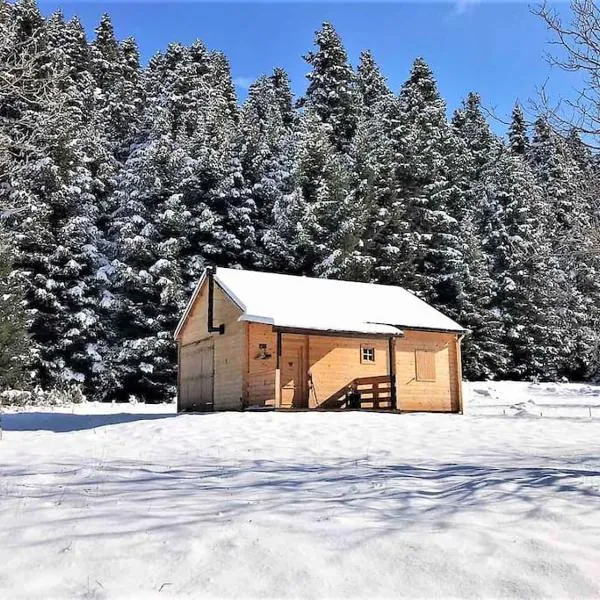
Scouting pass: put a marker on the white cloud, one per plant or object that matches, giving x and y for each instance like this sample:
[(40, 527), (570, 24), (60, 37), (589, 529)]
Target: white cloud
[(243, 82), (461, 6)]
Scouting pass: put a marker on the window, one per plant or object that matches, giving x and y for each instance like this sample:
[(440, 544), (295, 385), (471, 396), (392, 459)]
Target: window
[(367, 354), (425, 365)]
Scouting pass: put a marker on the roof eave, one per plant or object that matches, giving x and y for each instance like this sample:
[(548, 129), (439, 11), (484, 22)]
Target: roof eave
[(188, 308), (457, 331), (337, 332)]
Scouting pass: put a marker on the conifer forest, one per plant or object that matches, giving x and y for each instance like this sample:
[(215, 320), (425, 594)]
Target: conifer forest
[(120, 182)]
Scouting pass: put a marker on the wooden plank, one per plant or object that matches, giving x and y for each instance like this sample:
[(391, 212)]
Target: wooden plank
[(261, 365), (458, 359), (246, 364), (392, 370), (278, 372), (425, 364), (372, 379), (178, 376), (335, 361)]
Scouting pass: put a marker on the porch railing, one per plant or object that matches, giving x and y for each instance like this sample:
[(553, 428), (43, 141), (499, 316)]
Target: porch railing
[(375, 393)]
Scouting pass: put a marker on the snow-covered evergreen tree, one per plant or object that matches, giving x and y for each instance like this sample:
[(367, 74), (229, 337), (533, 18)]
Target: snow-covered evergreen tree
[(528, 291), (323, 180), (472, 128), (118, 185), (283, 95), (484, 351), (371, 84), (262, 143), (428, 259), (564, 188), (517, 132), (118, 92), (61, 264), (375, 226), (147, 284), (13, 326), (331, 94)]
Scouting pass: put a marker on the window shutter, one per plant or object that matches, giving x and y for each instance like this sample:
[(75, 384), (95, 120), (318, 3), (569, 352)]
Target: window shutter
[(425, 365)]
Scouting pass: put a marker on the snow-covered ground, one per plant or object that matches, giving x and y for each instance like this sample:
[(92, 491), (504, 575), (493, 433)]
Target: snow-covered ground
[(105, 501), (515, 398)]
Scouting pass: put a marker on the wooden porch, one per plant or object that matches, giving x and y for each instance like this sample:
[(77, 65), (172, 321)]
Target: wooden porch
[(373, 393)]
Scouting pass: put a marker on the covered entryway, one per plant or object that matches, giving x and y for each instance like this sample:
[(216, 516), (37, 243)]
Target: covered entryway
[(197, 374), (294, 372)]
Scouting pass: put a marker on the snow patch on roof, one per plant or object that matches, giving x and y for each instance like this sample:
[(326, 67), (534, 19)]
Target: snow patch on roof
[(289, 301)]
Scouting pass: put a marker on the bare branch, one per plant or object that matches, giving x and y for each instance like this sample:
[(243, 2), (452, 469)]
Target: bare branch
[(578, 51)]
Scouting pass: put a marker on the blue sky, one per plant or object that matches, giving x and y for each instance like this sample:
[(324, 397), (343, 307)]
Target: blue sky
[(496, 49)]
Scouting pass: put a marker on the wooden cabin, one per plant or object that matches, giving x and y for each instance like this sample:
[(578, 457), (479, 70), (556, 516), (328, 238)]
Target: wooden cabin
[(250, 339)]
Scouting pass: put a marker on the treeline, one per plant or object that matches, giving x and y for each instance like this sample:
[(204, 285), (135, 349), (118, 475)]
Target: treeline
[(121, 183)]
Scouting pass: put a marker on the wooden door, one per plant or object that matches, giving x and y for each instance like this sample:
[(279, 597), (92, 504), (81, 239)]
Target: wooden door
[(294, 362), (196, 376)]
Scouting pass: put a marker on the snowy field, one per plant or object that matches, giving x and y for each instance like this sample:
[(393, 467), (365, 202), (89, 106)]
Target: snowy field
[(134, 501), (515, 398)]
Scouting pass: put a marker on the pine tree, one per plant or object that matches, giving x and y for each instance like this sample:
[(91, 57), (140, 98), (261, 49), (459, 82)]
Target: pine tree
[(13, 326), (26, 77), (181, 202), (118, 94), (485, 353), (563, 186), (277, 227), (375, 227), (429, 259), (69, 329), (264, 133), (147, 290), (528, 289), (331, 92), (556, 173), (472, 128), (323, 179), (30, 179), (517, 133), (219, 77), (365, 216), (284, 96), (371, 84)]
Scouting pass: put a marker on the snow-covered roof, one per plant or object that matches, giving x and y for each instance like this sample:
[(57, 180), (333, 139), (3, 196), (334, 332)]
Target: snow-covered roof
[(310, 303)]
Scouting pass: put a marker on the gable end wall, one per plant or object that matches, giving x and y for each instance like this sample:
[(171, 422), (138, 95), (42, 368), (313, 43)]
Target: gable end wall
[(228, 348)]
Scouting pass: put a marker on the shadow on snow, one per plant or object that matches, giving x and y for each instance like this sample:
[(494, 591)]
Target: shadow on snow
[(65, 422), (381, 498)]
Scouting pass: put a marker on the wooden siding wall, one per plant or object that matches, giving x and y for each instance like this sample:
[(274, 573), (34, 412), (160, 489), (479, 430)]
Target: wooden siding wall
[(332, 361), (441, 395), (335, 361), (229, 347), (260, 379)]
